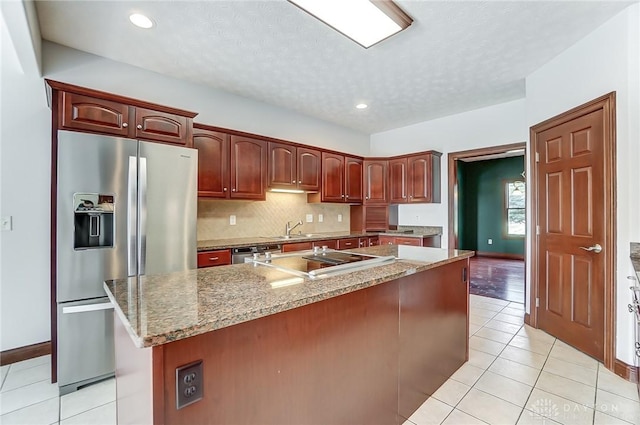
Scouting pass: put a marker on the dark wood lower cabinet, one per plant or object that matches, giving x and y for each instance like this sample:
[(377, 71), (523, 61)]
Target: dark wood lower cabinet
[(372, 356)]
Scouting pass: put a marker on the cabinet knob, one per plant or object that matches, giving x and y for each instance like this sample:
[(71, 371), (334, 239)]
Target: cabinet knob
[(125, 125), (366, 197), (139, 126), (233, 190), (342, 196), (224, 189), (293, 181), (347, 196), (404, 196), (299, 181)]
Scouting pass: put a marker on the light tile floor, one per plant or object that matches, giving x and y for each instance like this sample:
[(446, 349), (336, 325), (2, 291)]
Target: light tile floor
[(520, 375), (515, 375)]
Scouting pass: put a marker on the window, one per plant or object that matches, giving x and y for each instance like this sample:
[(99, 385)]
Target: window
[(515, 208)]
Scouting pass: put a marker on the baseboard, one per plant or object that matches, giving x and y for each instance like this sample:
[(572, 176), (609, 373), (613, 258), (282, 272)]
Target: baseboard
[(628, 372), (24, 353), (500, 255)]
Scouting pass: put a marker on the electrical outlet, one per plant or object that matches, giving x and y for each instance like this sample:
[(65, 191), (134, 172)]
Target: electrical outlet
[(189, 384), (6, 223), (309, 218), (320, 218), (339, 218), (417, 218), (232, 220), (490, 241)]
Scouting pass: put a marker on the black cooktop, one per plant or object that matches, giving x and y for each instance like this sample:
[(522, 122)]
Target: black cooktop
[(310, 262)]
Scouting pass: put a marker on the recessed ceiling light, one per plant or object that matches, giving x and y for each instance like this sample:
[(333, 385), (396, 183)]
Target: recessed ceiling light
[(139, 20), (362, 106), (366, 22)]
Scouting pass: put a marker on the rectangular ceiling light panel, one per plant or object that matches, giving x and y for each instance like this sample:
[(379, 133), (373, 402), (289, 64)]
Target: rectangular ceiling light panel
[(365, 22)]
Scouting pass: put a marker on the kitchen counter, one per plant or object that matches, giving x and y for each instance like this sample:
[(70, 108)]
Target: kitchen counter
[(213, 244), (164, 308)]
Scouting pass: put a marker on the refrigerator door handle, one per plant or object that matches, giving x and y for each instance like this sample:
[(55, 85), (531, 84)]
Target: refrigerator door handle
[(86, 308), (132, 213), (142, 218)]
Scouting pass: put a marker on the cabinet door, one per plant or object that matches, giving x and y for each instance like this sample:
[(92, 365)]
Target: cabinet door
[(282, 166), (399, 240), (398, 181), (332, 177), (95, 115), (162, 127), (308, 169), (298, 246), (330, 243), (349, 243), (213, 163), (375, 182), (420, 178), (220, 257), (374, 241), (248, 168), (353, 180), (386, 240)]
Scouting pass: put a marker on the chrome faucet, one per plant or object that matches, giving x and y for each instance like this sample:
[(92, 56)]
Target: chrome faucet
[(288, 228)]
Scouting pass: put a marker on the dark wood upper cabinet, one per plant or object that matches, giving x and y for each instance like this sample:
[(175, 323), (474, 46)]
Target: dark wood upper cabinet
[(415, 178), (332, 177), (88, 113), (424, 178), (398, 181), (353, 180), (160, 126), (83, 109), (308, 169), (213, 162), (292, 167), (341, 179), (376, 182), (248, 168)]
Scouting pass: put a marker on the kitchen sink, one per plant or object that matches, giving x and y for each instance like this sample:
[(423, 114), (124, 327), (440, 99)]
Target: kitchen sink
[(296, 236)]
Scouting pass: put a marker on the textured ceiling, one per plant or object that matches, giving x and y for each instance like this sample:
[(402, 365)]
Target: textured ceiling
[(457, 55)]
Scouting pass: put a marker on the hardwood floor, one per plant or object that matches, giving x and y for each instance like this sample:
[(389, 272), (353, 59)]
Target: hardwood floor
[(497, 278)]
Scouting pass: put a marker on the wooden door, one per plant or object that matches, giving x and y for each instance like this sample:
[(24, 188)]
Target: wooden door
[(162, 127), (353, 180), (308, 169), (248, 168), (95, 115), (571, 212), (398, 181), (213, 163), (420, 173), (282, 166), (332, 177), (376, 182)]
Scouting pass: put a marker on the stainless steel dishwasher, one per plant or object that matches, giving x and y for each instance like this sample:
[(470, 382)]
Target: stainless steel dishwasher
[(240, 254)]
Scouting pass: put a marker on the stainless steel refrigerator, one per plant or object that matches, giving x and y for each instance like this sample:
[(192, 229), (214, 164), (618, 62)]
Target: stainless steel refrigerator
[(124, 208)]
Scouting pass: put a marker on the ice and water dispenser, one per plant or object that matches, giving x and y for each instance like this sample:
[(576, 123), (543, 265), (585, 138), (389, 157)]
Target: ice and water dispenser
[(94, 220)]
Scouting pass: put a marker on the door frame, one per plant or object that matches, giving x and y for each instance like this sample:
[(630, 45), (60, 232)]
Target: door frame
[(453, 184), (608, 105)]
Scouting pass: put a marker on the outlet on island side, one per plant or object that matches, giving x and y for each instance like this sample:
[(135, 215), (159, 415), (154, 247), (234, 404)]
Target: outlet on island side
[(232, 220), (189, 384)]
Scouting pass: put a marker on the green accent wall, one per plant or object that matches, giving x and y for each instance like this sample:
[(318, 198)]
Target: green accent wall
[(481, 214)]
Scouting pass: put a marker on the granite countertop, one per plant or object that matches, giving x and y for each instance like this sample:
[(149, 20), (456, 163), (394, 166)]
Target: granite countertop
[(212, 244), (163, 308)]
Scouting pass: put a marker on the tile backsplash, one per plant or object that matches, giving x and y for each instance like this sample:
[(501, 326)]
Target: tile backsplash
[(267, 218)]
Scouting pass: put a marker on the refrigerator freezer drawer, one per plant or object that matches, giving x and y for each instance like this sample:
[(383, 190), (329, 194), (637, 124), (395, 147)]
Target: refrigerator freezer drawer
[(85, 343)]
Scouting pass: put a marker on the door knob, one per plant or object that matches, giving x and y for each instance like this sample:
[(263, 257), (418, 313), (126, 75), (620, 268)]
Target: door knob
[(595, 248)]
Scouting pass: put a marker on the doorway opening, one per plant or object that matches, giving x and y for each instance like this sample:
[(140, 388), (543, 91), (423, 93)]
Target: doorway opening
[(487, 210)]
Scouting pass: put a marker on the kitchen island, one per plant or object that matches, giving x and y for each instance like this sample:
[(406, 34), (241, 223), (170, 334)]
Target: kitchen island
[(363, 347)]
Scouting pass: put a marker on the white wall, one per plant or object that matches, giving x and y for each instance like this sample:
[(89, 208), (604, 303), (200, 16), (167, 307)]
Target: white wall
[(604, 61), (492, 126), (24, 194), (214, 107)]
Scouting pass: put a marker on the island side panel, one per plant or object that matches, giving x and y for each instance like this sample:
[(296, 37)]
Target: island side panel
[(137, 369), (331, 362), (433, 331)]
